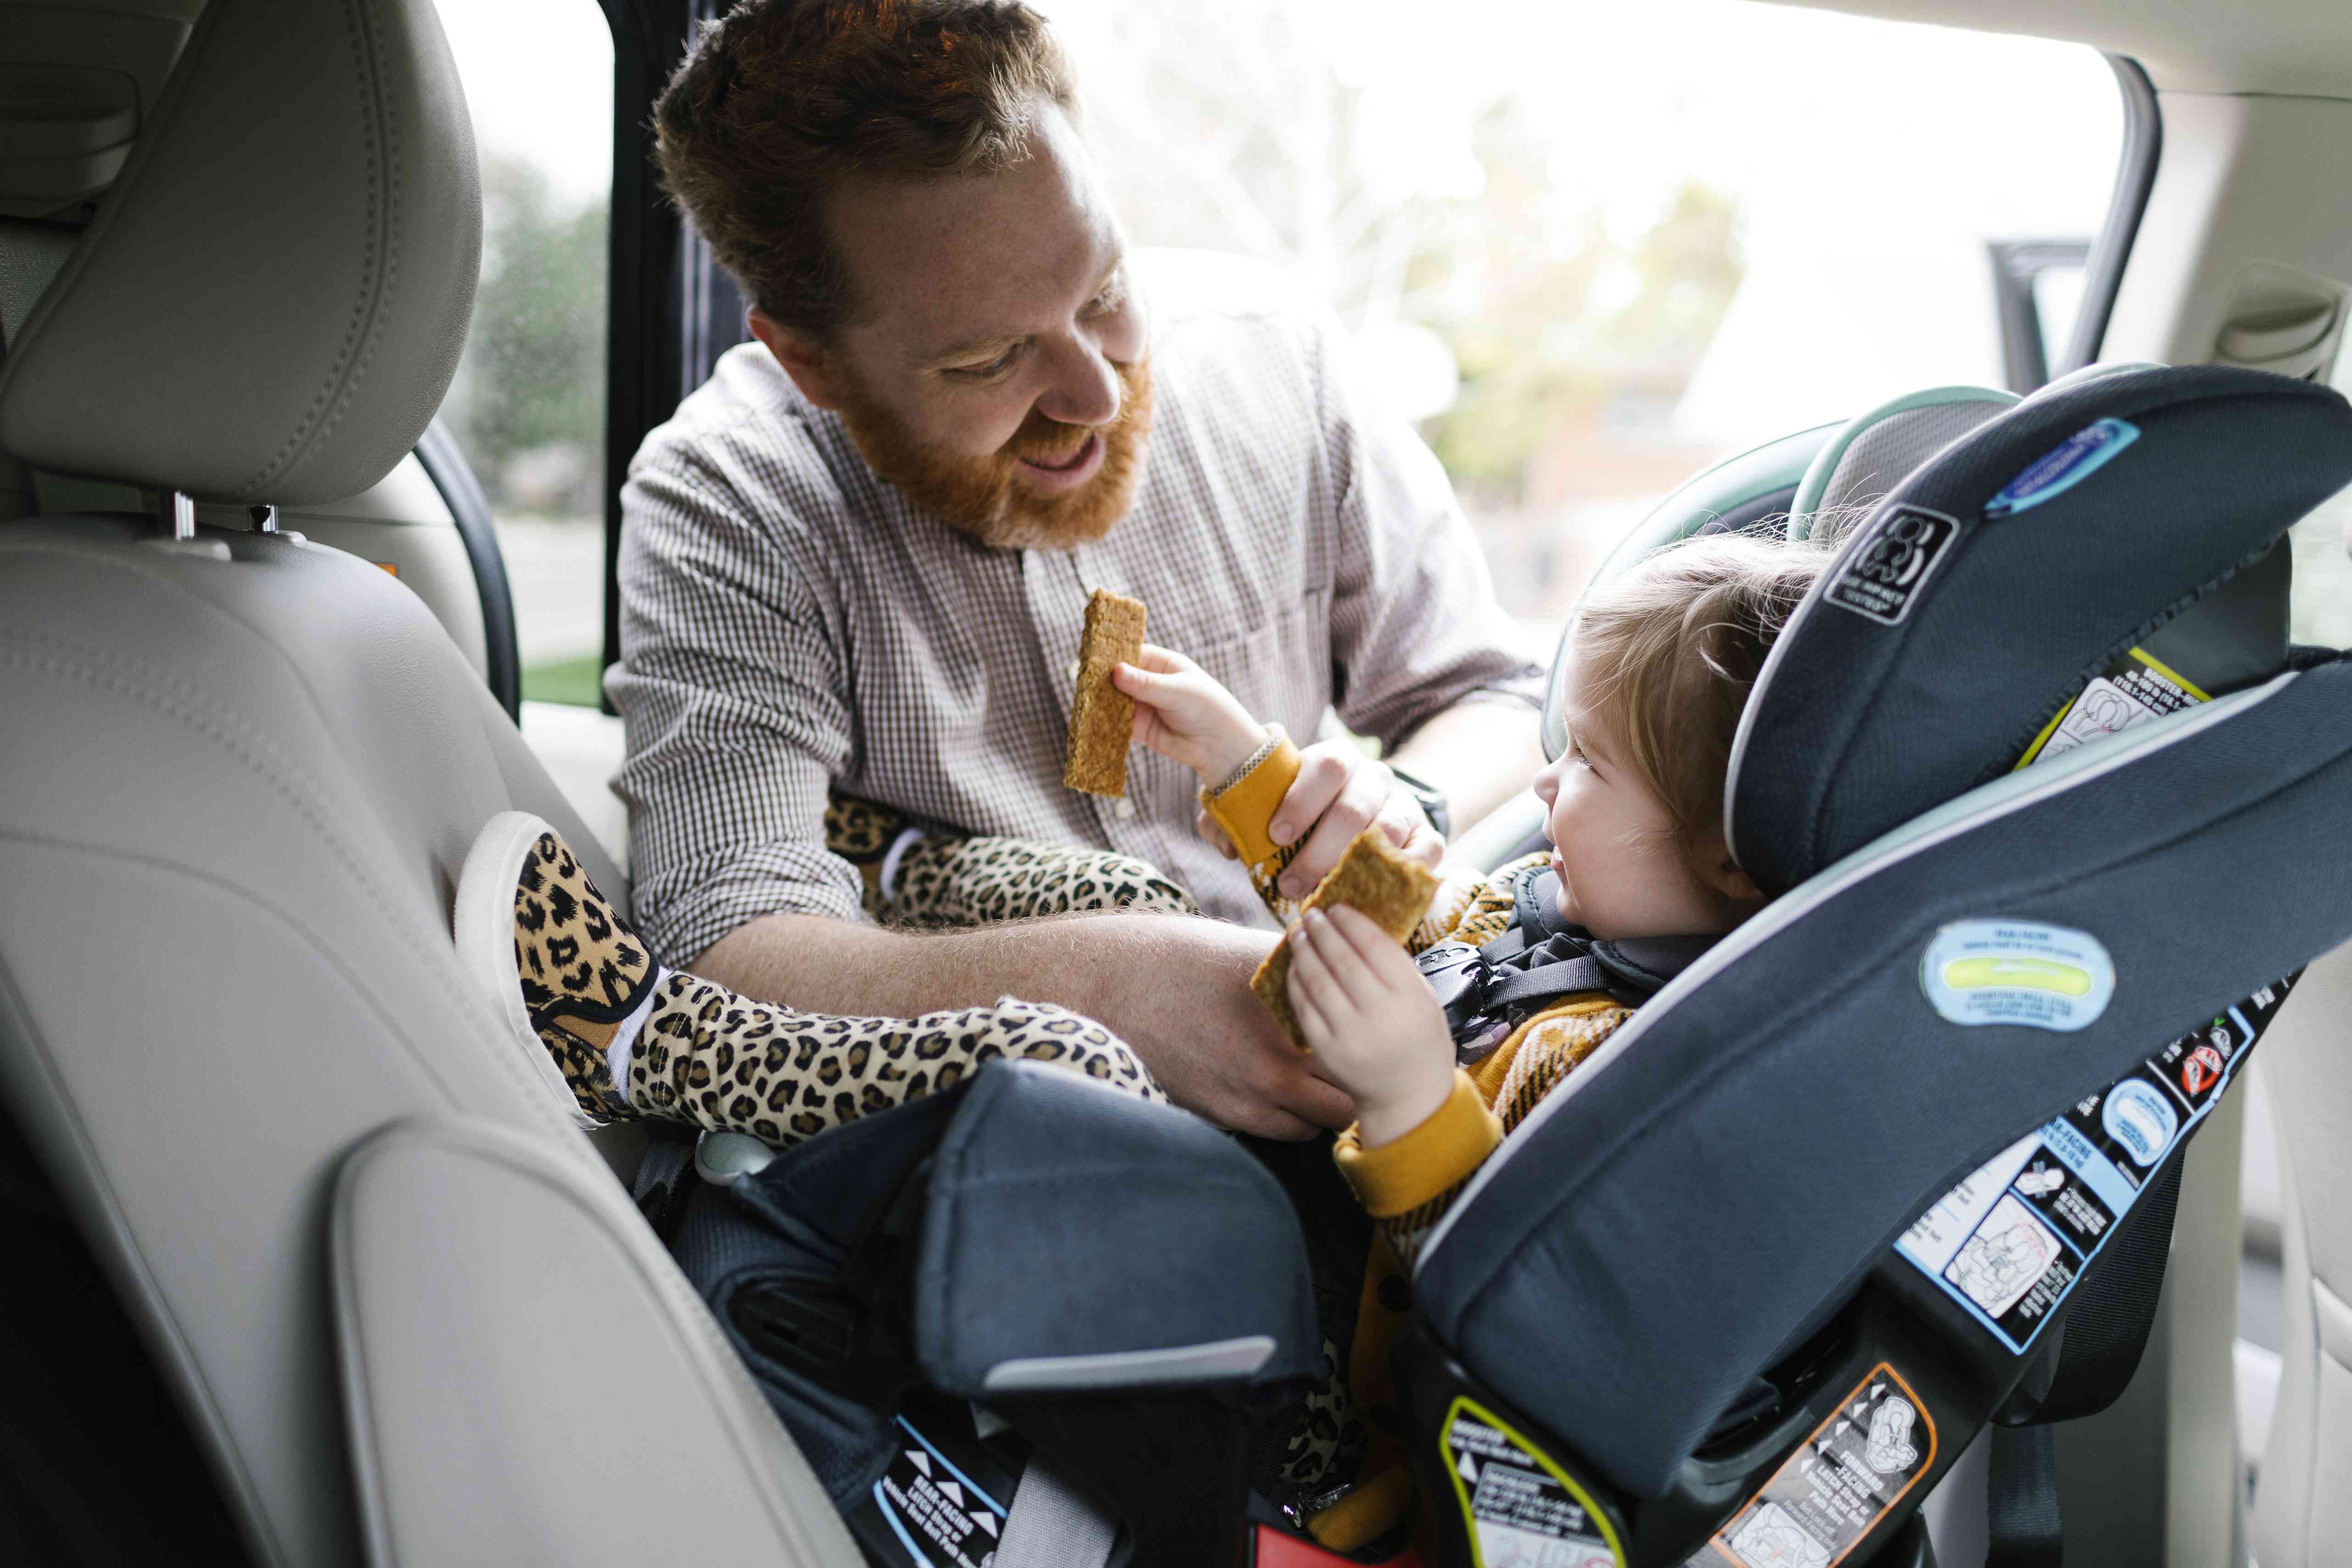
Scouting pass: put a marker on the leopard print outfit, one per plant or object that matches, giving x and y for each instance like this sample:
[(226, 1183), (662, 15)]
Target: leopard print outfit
[(705, 1056)]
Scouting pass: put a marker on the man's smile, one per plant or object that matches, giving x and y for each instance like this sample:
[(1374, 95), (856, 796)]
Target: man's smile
[(1058, 477)]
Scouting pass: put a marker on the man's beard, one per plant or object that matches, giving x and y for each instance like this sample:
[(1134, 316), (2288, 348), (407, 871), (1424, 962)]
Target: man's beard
[(986, 497)]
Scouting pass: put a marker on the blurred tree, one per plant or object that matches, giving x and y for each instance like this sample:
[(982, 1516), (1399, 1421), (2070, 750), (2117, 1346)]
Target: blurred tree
[(528, 404)]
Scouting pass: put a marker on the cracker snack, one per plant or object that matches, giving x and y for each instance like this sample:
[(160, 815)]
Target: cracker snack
[(1376, 881), (1102, 716)]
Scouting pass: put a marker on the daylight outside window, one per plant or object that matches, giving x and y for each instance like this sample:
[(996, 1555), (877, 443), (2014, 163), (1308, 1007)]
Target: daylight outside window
[(1592, 249), (528, 406)]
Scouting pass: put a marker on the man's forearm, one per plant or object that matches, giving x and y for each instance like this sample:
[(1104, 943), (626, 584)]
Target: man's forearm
[(1480, 753), (1174, 987), (1087, 963)]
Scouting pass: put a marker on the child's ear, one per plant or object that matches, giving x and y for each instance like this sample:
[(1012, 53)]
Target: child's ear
[(1736, 884)]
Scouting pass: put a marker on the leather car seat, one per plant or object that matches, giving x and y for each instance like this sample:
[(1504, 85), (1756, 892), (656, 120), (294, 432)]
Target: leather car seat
[(405, 1307), (2303, 1514)]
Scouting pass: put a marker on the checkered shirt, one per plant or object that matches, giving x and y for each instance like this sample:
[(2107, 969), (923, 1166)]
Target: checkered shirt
[(789, 622)]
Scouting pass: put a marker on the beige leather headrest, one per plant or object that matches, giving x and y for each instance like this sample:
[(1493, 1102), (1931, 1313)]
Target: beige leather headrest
[(271, 303)]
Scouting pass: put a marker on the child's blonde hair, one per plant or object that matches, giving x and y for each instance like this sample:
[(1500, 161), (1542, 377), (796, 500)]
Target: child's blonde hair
[(1667, 652)]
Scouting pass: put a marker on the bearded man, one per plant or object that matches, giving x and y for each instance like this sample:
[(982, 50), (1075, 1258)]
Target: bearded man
[(858, 557)]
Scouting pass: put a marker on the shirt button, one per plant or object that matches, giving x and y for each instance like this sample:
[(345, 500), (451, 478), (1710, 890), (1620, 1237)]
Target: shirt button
[(1125, 809), (1072, 672)]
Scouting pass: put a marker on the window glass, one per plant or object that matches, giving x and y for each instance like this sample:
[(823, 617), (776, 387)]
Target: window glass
[(1596, 247), (528, 406), (2323, 556)]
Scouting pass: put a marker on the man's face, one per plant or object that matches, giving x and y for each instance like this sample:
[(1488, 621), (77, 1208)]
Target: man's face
[(997, 370)]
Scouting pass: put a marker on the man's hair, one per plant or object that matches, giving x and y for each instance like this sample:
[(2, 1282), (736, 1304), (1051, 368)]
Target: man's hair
[(1668, 652), (780, 101)]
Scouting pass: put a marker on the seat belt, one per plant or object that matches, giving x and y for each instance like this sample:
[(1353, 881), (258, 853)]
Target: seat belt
[(2101, 1342), (1051, 1524)]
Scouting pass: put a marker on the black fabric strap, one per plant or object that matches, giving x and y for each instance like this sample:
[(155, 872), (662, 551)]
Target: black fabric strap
[(2108, 1321), (2022, 1500), (1547, 980), (666, 1177)]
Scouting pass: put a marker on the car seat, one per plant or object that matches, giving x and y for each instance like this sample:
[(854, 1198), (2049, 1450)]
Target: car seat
[(1754, 1277), (410, 1314)]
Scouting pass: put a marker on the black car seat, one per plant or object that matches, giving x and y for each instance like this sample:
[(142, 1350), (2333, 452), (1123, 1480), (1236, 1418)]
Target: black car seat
[(409, 1314), (1842, 1192)]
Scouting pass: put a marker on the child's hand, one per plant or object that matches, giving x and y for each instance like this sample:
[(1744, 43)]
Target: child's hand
[(1374, 1025), (1185, 715)]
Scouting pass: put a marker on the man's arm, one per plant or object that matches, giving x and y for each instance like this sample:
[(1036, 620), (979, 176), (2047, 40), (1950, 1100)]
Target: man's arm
[(1174, 987), (1479, 753)]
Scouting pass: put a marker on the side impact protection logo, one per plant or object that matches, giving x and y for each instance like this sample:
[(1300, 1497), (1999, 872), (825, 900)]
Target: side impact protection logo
[(1885, 572), (2016, 972)]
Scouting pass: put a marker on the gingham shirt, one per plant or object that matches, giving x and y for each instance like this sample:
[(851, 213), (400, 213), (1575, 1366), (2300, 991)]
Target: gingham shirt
[(790, 622)]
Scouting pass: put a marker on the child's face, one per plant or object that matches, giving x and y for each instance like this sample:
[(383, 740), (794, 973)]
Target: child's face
[(1623, 869)]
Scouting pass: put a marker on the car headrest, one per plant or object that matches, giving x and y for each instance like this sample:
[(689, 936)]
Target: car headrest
[(1995, 581), (271, 303)]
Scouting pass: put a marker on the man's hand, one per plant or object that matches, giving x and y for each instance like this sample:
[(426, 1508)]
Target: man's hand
[(1338, 793), (1372, 1022), (1215, 1048)]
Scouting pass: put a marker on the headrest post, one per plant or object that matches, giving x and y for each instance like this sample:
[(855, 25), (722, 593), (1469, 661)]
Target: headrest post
[(265, 519), (178, 514)]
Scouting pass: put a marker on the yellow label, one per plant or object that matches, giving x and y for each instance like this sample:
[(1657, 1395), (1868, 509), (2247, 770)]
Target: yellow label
[(2033, 974)]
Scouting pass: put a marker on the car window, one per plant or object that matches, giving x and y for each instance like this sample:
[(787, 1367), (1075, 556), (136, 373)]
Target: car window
[(528, 404), (1592, 249)]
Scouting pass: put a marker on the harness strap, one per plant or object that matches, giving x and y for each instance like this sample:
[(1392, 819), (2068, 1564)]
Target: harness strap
[(1051, 1524), (2108, 1321), (664, 1179), (1548, 980), (2022, 1500)]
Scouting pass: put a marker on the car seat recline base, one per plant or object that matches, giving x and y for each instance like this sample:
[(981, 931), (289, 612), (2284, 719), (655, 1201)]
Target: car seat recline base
[(1752, 1279)]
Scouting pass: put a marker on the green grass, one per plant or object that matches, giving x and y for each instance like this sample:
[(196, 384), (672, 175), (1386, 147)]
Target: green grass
[(572, 680)]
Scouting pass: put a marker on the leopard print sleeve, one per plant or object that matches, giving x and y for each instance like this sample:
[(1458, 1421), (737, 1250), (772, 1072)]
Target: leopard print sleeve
[(919, 874)]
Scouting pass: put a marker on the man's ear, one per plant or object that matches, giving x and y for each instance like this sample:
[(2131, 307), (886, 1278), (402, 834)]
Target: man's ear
[(803, 359)]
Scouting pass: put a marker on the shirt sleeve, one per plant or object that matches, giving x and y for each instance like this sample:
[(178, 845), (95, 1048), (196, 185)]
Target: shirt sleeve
[(1415, 626), (1407, 1184), (736, 713)]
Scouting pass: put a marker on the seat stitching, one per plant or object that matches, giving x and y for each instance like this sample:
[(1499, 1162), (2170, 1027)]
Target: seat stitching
[(293, 785)]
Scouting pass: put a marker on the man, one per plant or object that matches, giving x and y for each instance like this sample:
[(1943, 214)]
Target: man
[(859, 556)]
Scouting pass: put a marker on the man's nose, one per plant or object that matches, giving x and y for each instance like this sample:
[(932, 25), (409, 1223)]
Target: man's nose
[(1085, 389)]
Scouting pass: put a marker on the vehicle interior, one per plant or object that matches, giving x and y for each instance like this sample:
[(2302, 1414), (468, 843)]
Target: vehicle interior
[(307, 1268)]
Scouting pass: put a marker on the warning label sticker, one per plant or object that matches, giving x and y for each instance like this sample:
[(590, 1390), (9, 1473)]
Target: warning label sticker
[(2008, 1243), (1523, 1510), (928, 1512), (1827, 1495), (1884, 574), (2135, 687)]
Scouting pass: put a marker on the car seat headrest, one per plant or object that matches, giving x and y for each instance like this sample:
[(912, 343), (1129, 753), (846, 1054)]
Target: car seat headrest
[(271, 303), (1866, 458), (2000, 577)]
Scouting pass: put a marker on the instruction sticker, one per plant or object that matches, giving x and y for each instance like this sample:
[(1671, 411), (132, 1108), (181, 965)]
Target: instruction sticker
[(1521, 1508), (1829, 1493), (2009, 1242), (928, 1512), (2135, 688), (2017, 971), (1884, 574), (2056, 471)]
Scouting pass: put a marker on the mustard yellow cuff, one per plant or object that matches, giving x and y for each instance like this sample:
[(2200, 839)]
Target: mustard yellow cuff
[(1246, 807), (1401, 1175)]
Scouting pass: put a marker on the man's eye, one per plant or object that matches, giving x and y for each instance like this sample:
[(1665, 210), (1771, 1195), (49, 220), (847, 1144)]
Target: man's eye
[(987, 368)]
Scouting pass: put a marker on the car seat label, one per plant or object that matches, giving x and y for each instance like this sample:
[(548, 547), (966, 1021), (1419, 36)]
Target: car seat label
[(2017, 971), (2135, 687), (1834, 1487), (2056, 471), (2008, 1243), (1518, 1506), (930, 1511), (1882, 574)]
